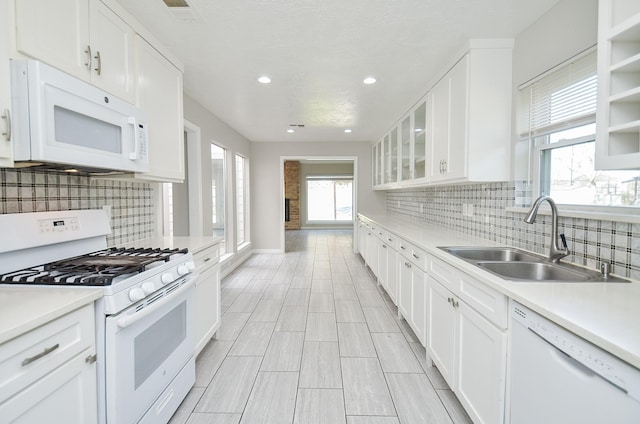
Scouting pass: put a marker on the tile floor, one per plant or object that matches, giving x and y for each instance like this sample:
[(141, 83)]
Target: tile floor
[(308, 337)]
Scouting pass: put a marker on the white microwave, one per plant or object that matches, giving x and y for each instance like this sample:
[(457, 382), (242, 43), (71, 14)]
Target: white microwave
[(64, 122)]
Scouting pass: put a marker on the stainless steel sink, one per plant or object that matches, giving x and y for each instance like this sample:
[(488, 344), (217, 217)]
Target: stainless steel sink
[(504, 254), (520, 266)]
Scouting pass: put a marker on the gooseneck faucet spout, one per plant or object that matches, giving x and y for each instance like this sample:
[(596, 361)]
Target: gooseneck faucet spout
[(555, 251)]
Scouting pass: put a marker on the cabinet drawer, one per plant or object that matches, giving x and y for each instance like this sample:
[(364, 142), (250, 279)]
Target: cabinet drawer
[(31, 356), (445, 274), (414, 254), (206, 258), (489, 302), (392, 241)]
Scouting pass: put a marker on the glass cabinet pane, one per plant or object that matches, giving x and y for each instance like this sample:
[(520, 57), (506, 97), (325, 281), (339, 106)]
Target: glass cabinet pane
[(419, 134), (393, 152), (385, 159), (405, 142)]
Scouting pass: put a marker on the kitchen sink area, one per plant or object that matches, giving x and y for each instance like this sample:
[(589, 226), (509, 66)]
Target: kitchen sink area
[(521, 266)]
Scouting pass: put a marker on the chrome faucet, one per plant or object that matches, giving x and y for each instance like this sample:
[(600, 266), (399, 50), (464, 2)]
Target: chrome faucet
[(555, 252)]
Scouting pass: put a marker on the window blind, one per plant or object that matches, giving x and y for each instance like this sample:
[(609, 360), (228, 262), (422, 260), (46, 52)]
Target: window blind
[(559, 98)]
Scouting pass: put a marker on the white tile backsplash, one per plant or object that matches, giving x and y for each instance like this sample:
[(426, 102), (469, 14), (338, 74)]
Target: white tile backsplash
[(591, 241)]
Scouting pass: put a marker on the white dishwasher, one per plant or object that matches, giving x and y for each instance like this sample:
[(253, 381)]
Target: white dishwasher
[(558, 377)]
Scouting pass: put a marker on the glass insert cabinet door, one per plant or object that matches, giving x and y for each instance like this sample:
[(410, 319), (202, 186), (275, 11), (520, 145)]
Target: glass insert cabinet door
[(405, 144), (393, 153), (419, 136)]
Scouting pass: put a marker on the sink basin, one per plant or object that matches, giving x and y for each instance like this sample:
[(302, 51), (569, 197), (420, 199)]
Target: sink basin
[(520, 266), (504, 254)]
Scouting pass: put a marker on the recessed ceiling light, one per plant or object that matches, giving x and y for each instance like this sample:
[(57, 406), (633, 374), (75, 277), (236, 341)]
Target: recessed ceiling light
[(347, 130), (290, 130), (417, 130), (369, 80), (264, 79)]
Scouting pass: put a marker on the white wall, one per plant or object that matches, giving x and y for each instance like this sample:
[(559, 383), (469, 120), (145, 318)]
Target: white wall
[(266, 219), (214, 130), (567, 29)]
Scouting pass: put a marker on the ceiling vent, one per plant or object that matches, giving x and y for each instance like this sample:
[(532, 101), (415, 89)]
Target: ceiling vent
[(181, 10)]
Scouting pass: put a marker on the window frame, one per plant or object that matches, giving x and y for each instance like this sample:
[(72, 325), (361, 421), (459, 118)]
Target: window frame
[(319, 177), (245, 201)]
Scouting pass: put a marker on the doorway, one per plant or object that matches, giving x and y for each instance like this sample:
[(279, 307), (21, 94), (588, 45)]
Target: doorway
[(318, 193)]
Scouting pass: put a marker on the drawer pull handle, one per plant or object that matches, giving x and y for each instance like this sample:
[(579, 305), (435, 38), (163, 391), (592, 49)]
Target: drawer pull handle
[(402, 247), (384, 246), (45, 352), (207, 259), (415, 256), (91, 359)]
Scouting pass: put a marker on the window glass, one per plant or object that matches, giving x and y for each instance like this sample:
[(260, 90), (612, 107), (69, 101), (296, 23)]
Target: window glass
[(241, 197), (329, 199), (218, 155)]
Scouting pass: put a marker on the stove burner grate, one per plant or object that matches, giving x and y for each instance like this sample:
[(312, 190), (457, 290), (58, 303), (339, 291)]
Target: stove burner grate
[(94, 269)]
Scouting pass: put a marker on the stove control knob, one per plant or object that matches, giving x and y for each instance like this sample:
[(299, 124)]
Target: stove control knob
[(183, 269), (191, 265), (136, 294), (166, 278), (148, 287)]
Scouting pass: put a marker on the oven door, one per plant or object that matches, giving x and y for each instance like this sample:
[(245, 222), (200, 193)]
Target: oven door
[(146, 347)]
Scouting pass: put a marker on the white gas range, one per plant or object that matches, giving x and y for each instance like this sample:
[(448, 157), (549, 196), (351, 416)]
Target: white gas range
[(144, 320)]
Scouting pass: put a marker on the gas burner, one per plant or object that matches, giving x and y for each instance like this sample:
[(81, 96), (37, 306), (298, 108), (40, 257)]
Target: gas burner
[(94, 269)]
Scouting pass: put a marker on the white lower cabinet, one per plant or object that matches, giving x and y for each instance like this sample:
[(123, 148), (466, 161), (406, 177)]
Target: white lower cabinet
[(412, 303), (49, 373), (207, 306), (388, 267), (469, 351)]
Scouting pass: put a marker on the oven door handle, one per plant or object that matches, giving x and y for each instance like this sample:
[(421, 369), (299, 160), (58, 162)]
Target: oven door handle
[(128, 320)]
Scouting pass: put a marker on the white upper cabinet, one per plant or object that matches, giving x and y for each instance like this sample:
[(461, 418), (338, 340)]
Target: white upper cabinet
[(81, 37), (618, 114), (159, 94), (6, 147), (462, 130)]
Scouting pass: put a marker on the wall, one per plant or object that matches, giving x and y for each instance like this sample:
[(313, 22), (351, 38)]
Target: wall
[(132, 203), (266, 215), (213, 130), (332, 169)]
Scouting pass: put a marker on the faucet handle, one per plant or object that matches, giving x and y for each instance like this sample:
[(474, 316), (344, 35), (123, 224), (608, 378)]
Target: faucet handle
[(564, 241)]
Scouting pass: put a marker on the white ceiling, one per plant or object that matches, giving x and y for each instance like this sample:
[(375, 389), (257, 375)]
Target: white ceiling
[(317, 52)]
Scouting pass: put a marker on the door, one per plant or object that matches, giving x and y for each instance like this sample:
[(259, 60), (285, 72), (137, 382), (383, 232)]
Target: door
[(159, 93), (441, 331), (56, 32), (405, 149), (438, 99), (6, 147), (458, 113), (112, 52), (404, 289), (419, 303), (419, 141), (481, 377)]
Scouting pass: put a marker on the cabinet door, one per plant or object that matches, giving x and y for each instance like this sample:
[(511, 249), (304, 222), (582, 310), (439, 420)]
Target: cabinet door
[(393, 156), (66, 395), (112, 50), (481, 374), (404, 289), (382, 267), (392, 274), (159, 94), (405, 149), (207, 306), (441, 331), (6, 147), (56, 32), (419, 141), (455, 166), (419, 303), (372, 251), (438, 129)]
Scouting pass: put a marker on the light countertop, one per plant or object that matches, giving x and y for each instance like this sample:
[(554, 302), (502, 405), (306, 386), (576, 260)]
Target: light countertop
[(606, 314), (24, 308)]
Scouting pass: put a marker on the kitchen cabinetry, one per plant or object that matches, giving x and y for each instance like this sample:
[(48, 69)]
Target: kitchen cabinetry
[(6, 147), (418, 133), (388, 263), (50, 372), (207, 306), (412, 296), (618, 114), (469, 118), (467, 340), (405, 149), (81, 37), (159, 94)]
